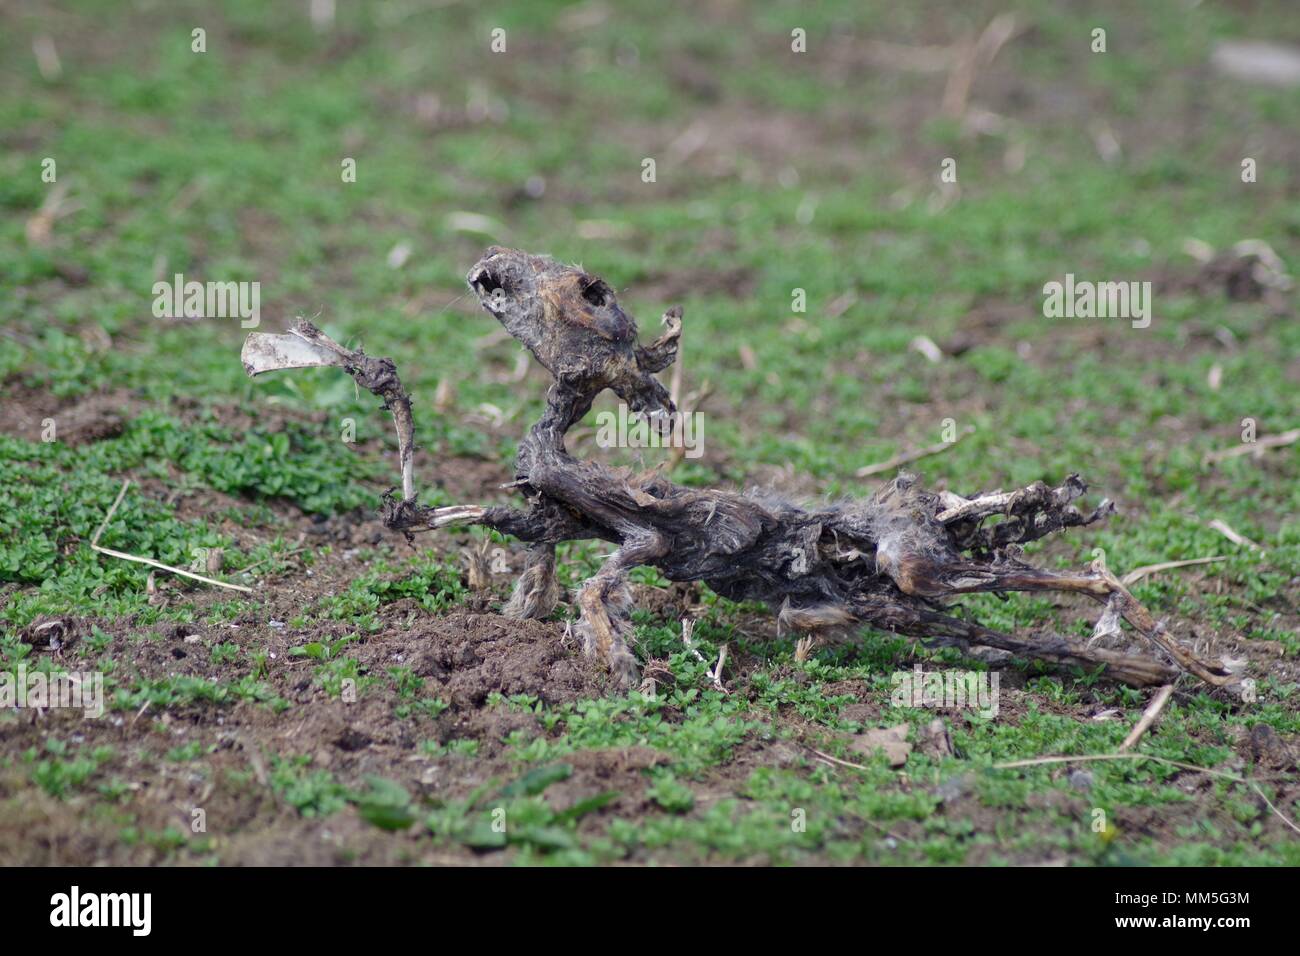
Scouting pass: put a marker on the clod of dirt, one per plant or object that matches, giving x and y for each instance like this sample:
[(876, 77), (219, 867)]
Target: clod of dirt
[(859, 713), (97, 418), (52, 633), (1248, 271), (1242, 278), (1264, 748), (352, 740), (472, 655)]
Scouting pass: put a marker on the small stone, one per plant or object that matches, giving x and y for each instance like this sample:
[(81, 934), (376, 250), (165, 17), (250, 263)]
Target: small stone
[(892, 741)]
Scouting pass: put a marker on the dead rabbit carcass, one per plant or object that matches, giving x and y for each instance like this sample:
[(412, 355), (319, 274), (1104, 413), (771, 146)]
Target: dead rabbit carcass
[(889, 560)]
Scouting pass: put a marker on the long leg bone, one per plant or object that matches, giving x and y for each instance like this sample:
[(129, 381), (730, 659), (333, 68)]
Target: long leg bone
[(922, 576), (1127, 668), (935, 629)]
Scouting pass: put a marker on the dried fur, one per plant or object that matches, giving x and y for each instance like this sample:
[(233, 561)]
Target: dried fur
[(885, 560)]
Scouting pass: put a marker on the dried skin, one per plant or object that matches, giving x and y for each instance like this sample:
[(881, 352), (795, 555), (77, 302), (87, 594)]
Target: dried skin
[(888, 560)]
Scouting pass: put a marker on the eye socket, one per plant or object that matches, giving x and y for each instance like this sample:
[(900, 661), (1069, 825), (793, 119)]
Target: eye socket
[(489, 283), (596, 292)]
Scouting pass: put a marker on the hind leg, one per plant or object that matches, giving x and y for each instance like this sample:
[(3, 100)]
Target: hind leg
[(936, 629), (604, 602), (926, 576)]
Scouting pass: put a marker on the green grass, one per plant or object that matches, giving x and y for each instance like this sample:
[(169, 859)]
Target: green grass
[(818, 172)]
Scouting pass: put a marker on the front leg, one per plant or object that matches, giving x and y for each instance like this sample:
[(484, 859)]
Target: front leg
[(537, 591)]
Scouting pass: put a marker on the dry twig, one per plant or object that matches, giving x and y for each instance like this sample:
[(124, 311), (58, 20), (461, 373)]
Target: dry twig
[(1255, 448), (1148, 716), (96, 546), (1137, 574), (1227, 531), (903, 458)]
